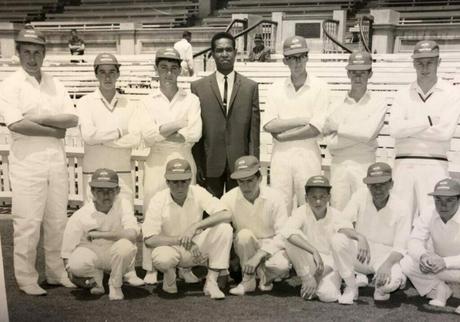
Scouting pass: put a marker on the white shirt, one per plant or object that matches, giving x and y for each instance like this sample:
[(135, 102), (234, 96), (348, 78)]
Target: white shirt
[(445, 237), (220, 83), (317, 232), (311, 102), (100, 124), (265, 217), (164, 216), (186, 53), (158, 110), (409, 123), (359, 124), (22, 95), (88, 218), (389, 226)]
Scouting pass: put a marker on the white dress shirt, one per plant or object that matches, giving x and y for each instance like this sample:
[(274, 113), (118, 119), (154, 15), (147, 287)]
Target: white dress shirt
[(186, 53), (158, 110), (359, 124), (264, 218), (164, 216), (220, 83), (317, 232), (445, 237), (389, 226), (88, 218), (100, 124)]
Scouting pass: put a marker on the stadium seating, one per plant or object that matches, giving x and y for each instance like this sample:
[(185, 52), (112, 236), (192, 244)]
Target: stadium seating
[(24, 10), (138, 78)]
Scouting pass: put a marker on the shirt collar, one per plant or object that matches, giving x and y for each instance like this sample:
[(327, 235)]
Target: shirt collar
[(288, 83), (220, 77), (262, 195), (158, 93), (32, 79), (365, 98), (440, 85), (114, 99)]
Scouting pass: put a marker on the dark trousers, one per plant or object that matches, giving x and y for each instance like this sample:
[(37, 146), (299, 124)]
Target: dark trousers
[(217, 185)]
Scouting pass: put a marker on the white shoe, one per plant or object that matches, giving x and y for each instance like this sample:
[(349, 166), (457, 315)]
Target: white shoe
[(132, 279), (97, 290), (64, 281), (115, 293), (187, 275), (151, 277), (442, 293), (263, 285), (34, 290), (244, 287), (349, 295), (212, 290), (380, 295), (457, 310), (169, 281), (361, 280)]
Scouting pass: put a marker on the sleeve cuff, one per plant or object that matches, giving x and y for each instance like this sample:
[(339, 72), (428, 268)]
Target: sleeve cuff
[(452, 262)]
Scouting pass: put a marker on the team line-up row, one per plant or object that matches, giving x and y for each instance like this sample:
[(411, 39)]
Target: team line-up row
[(209, 133)]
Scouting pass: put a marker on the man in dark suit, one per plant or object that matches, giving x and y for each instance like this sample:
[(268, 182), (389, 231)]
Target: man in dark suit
[(231, 118)]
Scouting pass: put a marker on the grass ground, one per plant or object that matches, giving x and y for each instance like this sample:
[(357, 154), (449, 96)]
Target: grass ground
[(149, 304)]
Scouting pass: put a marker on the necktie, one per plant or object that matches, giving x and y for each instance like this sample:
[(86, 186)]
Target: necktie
[(224, 100)]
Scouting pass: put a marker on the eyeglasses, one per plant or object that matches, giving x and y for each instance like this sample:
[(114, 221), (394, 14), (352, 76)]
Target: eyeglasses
[(296, 59)]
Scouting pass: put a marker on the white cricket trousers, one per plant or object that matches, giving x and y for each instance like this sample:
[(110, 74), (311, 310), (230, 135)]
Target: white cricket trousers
[(290, 168), (39, 180), (348, 251), (425, 283), (329, 287), (247, 245), (154, 179), (91, 261), (214, 244), (414, 179), (346, 178)]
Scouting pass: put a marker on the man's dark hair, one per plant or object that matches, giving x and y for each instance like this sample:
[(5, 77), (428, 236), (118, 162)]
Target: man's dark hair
[(186, 33), (221, 35)]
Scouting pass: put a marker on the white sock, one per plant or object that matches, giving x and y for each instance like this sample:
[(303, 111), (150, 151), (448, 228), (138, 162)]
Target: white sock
[(212, 275)]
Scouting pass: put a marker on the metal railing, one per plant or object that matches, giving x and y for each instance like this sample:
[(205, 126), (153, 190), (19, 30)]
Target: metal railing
[(365, 31), (330, 42)]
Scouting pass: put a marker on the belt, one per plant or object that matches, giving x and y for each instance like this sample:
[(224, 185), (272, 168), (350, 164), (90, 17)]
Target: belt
[(420, 157)]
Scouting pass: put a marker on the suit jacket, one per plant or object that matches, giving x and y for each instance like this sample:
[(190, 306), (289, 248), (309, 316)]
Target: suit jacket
[(226, 137)]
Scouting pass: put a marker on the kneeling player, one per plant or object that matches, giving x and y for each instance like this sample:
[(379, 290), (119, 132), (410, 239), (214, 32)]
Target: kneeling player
[(312, 239), (430, 267), (382, 227), (258, 214), (174, 227), (100, 237)]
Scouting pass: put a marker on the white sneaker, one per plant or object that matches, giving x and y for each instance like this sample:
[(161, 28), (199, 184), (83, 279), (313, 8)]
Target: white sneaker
[(442, 293), (380, 295), (64, 281), (169, 281), (263, 285), (244, 287), (349, 295), (33, 290), (132, 279), (457, 310), (187, 275), (97, 290), (212, 290), (151, 277), (361, 280), (115, 293)]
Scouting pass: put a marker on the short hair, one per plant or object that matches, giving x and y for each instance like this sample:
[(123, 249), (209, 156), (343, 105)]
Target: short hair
[(221, 35), (186, 33)]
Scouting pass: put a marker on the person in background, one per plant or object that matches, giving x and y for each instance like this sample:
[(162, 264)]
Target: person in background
[(184, 47), (259, 52)]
